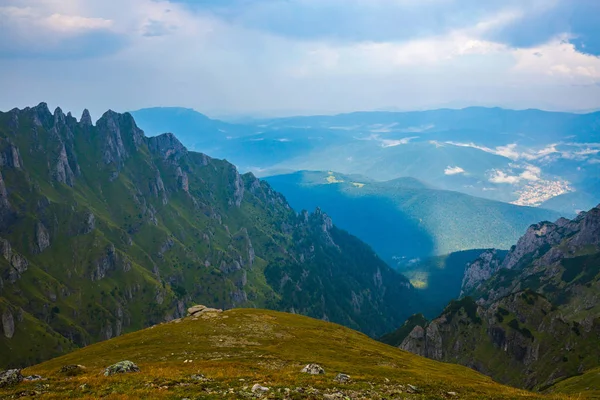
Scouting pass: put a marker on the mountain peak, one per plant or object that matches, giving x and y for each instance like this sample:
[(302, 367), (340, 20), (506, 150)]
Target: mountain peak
[(41, 114), (123, 137), (167, 145), (86, 118), (42, 107), (59, 116)]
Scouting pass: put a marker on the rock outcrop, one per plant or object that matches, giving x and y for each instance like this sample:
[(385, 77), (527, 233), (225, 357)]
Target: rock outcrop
[(72, 370), (86, 118), (8, 324), (10, 377), (313, 369), (42, 238), (122, 367), (480, 270), (198, 310), (167, 146)]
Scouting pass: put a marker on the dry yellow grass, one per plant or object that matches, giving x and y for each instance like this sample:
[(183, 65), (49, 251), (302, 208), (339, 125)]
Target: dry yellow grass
[(238, 348)]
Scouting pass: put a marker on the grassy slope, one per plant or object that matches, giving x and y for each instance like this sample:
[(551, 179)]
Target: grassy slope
[(587, 383), (242, 347)]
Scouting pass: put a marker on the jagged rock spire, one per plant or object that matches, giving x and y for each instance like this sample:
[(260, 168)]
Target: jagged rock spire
[(59, 116), (42, 115), (86, 118)]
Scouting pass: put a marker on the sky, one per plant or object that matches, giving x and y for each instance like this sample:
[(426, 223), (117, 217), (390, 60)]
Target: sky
[(284, 57)]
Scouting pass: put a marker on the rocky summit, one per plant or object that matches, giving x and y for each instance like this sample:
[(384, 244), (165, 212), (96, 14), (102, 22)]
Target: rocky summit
[(104, 231)]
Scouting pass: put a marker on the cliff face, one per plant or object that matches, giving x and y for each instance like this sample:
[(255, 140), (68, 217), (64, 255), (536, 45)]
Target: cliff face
[(105, 231), (534, 317), (480, 270)]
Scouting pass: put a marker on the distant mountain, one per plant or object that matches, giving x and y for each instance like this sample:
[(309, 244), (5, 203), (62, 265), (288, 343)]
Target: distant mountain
[(195, 130), (526, 157), (405, 219), (105, 231), (491, 126), (530, 319)]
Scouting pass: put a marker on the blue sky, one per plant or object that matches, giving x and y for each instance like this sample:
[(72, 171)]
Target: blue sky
[(280, 57)]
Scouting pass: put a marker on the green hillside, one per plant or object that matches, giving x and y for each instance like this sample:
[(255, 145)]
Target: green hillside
[(223, 355), (104, 231), (404, 219)]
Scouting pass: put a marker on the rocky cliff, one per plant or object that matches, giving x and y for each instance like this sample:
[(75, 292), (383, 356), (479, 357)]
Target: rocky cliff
[(534, 317), (105, 231)]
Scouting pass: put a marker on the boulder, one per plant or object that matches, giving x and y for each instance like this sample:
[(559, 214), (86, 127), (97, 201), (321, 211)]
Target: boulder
[(200, 309), (33, 378), (199, 377), (342, 378), (122, 367), (258, 389), (72, 370), (412, 389), (10, 377), (313, 369)]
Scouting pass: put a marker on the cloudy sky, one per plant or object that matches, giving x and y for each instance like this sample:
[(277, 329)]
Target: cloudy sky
[(279, 57)]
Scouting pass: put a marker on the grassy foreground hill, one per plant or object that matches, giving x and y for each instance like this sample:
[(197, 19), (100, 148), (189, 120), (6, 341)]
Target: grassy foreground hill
[(232, 351)]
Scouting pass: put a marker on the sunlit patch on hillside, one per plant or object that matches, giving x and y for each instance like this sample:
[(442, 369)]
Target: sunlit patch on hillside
[(419, 284), (332, 179), (419, 279)]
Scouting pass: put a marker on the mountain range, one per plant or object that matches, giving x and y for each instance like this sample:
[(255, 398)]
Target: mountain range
[(528, 157), (105, 231), (108, 235)]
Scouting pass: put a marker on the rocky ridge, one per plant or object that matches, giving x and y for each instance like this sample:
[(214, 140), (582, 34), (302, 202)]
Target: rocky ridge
[(533, 318), (105, 231)]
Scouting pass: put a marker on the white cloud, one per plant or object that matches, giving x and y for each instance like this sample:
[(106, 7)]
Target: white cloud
[(387, 142), (502, 177), (22, 18), (534, 155), (396, 142), (512, 152), (530, 173), (67, 23), (454, 170), (557, 60), (216, 64), (507, 151)]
